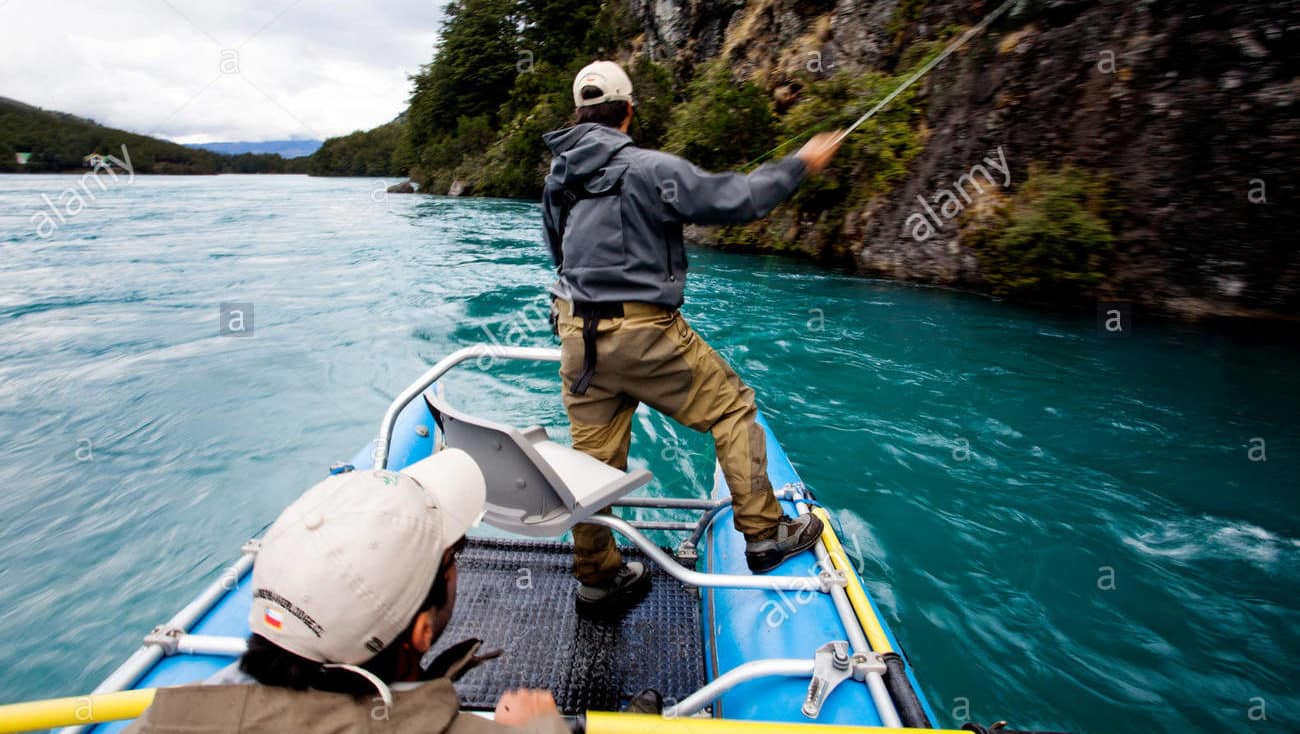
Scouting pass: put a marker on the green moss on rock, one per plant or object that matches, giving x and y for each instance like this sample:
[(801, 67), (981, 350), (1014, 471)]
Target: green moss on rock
[(1050, 240)]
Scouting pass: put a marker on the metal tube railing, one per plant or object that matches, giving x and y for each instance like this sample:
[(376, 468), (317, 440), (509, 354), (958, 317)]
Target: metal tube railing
[(670, 503), (662, 525), (443, 366), (705, 521), (793, 667), (711, 509), (686, 503), (696, 578), (231, 647)]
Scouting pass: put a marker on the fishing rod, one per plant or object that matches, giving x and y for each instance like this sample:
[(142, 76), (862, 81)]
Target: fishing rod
[(975, 30), (961, 41)]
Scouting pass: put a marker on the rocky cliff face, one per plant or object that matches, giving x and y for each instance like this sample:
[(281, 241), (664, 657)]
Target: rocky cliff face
[(1188, 108)]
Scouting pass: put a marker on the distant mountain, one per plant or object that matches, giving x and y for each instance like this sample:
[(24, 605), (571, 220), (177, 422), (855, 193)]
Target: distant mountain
[(283, 148), (33, 140)]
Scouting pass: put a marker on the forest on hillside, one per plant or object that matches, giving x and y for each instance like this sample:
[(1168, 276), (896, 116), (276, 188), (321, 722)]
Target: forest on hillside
[(499, 79), (52, 142)]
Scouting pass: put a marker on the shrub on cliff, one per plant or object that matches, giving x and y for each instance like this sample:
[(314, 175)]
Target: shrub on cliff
[(871, 162), (722, 123), (516, 163), (654, 87), (443, 161), (875, 157), (1051, 240)]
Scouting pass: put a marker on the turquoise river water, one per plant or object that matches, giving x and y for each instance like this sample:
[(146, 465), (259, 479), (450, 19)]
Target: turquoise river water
[(1066, 529)]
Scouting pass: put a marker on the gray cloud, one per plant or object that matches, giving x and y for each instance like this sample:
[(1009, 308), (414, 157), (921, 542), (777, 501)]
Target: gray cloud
[(194, 71)]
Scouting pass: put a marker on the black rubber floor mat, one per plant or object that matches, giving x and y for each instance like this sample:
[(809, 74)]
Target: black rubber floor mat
[(518, 596)]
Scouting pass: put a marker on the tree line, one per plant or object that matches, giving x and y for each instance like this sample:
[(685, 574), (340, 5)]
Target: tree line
[(41, 141)]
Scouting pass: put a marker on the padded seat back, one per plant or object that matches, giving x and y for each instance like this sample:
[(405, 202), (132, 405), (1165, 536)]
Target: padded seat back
[(535, 486)]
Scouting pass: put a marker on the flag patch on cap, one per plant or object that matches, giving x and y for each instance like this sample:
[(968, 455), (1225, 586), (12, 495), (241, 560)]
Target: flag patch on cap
[(273, 619)]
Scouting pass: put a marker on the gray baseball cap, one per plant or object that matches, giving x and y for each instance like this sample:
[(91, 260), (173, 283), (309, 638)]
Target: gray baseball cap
[(344, 569)]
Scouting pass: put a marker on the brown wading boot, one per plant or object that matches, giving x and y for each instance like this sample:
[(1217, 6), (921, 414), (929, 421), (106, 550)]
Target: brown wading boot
[(623, 592), (791, 538)]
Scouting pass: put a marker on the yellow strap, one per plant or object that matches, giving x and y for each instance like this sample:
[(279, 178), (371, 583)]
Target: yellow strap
[(74, 711), (79, 710), (876, 636), (606, 722)]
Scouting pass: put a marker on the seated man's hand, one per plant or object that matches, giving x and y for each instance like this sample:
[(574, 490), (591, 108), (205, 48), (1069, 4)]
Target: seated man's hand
[(519, 707)]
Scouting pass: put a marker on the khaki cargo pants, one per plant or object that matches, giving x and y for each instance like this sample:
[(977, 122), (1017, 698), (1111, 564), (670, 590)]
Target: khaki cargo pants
[(651, 355)]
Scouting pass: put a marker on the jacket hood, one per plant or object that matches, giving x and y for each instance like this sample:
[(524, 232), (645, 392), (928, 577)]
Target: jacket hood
[(582, 149)]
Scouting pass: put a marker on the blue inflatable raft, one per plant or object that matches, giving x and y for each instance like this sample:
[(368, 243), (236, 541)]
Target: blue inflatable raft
[(803, 644)]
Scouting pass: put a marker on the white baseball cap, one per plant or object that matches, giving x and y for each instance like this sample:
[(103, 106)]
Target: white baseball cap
[(606, 76), (343, 570)]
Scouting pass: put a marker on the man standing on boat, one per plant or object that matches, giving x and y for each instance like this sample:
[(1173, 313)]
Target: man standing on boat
[(613, 215)]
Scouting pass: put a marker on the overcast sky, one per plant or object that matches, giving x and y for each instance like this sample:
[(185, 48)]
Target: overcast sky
[(199, 71)]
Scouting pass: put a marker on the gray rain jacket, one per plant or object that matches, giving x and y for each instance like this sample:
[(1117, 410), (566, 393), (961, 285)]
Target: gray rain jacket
[(622, 240)]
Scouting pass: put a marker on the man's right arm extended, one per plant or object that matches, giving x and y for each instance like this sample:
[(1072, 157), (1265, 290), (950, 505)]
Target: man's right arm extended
[(699, 197)]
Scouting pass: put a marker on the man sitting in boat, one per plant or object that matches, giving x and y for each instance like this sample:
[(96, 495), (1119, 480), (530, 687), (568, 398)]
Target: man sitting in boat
[(613, 216), (352, 585)]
